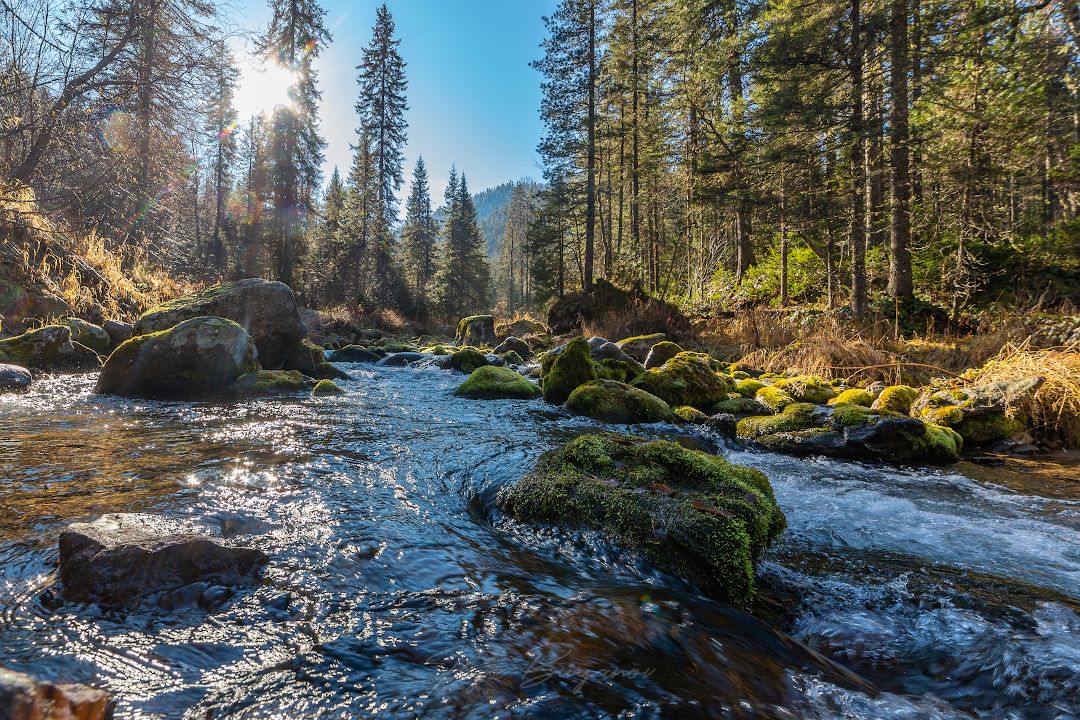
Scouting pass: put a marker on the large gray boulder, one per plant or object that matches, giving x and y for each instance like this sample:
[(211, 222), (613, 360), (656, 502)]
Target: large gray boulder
[(14, 378), (119, 331), (88, 334), (119, 558), (476, 330), (267, 310), (48, 348), (198, 358), (23, 697)]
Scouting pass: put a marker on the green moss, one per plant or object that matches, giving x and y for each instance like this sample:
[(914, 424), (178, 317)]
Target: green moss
[(436, 350), (689, 378), (807, 388), (854, 396), (740, 406), (616, 402), (304, 356), (395, 345), (748, 387), (939, 445), (621, 370), (986, 429), (948, 415), (497, 383), (692, 514), (774, 398), (270, 382), (327, 387), (798, 416), (466, 332), (846, 416), (566, 371), (468, 359), (512, 358), (896, 398), (741, 375), (661, 352), (48, 348), (690, 415)]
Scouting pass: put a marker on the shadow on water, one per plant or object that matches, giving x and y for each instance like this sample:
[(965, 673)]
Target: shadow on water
[(394, 589)]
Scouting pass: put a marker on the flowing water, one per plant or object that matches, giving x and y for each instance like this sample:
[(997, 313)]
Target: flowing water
[(394, 588)]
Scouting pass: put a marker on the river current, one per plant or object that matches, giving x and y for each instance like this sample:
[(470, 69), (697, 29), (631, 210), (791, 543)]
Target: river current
[(395, 589)]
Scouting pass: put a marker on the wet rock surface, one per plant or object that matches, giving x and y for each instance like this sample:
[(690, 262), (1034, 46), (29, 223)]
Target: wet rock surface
[(23, 697)]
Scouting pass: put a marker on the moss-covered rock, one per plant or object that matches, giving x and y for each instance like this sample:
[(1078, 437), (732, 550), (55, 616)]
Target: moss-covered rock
[(563, 372), (327, 371), (689, 378), (985, 429), (435, 350), (476, 330), (262, 383), (48, 348), (939, 445), (660, 353), (266, 310), (748, 386), (693, 514), (512, 358), (690, 415), (774, 398), (616, 402), (89, 334), (327, 387), (497, 383), (638, 347), (198, 358), (515, 345), (467, 360), (895, 398), (355, 354), (807, 388), (854, 396), (740, 406), (796, 416), (303, 355), (621, 370)]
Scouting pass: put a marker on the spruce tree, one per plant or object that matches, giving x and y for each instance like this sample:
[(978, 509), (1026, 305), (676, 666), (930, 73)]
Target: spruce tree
[(381, 107), (221, 128), (464, 278), (419, 236), (293, 40), (360, 223)]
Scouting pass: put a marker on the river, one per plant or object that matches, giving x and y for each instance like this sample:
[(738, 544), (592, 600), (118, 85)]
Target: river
[(395, 589)]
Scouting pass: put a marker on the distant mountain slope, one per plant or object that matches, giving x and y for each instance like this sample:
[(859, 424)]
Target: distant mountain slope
[(491, 207)]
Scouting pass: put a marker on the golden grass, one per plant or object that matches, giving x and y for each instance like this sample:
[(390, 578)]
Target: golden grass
[(1053, 411)]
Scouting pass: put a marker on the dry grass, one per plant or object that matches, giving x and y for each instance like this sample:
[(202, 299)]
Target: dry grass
[(1053, 411), (638, 318)]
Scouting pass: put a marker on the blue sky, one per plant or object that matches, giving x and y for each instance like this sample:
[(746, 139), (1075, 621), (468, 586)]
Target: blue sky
[(473, 99)]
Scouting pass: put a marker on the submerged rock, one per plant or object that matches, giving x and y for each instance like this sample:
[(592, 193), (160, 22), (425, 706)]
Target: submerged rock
[(23, 697), (48, 348), (267, 310), (262, 383), (198, 358), (497, 383), (476, 330), (466, 360), (14, 378), (354, 353), (693, 514), (326, 387), (119, 558), (616, 402), (689, 378), (401, 359)]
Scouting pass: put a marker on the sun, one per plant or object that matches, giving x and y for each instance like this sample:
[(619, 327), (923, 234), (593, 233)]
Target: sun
[(263, 87)]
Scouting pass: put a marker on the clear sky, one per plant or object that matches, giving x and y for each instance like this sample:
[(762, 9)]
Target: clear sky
[(473, 99)]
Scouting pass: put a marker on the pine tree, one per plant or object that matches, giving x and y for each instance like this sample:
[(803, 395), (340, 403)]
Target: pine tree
[(293, 40), (464, 277), (419, 236), (221, 126), (327, 265), (381, 107), (361, 222)]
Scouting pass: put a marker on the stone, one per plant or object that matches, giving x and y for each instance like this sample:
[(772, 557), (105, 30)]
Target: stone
[(478, 330), (88, 334), (616, 402), (14, 378), (690, 513), (497, 383), (520, 328), (119, 558), (466, 360), (326, 387), (979, 413), (401, 359), (513, 344), (327, 371), (23, 307), (689, 378), (854, 396), (264, 383), (118, 331), (660, 353), (23, 697), (199, 358), (266, 309), (638, 347), (806, 388), (305, 356), (48, 348), (354, 354), (895, 398), (562, 371)]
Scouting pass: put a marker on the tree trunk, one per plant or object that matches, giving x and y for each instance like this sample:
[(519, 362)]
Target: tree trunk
[(858, 179), (900, 284), (590, 192)]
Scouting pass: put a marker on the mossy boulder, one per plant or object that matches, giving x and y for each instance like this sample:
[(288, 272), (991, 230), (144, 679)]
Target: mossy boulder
[(895, 398), (263, 383), (48, 348), (689, 378), (476, 330), (795, 416), (616, 402), (562, 372), (622, 370), (660, 353), (512, 358), (692, 514), (939, 444), (748, 386), (807, 388), (513, 344), (979, 413), (305, 356), (266, 310), (354, 354), (740, 406), (774, 398), (327, 387), (467, 360), (638, 347), (198, 358), (437, 349), (987, 429), (327, 371), (497, 383), (89, 334), (854, 396), (690, 415)]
